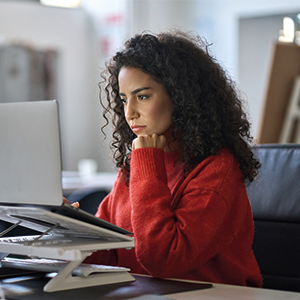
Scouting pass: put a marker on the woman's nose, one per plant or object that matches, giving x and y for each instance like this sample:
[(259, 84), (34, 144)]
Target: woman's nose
[(131, 110)]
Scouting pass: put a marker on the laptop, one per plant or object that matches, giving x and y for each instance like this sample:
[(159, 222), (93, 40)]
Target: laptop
[(31, 174)]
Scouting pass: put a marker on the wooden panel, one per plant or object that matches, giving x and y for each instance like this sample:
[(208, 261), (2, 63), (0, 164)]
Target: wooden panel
[(285, 67)]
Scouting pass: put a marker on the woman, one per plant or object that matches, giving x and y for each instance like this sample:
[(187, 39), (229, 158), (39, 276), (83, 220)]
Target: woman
[(181, 143)]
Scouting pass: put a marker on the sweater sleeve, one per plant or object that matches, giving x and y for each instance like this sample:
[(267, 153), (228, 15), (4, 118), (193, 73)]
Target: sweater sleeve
[(171, 241)]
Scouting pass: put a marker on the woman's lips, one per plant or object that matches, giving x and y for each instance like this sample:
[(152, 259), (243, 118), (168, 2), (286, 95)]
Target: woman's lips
[(137, 129)]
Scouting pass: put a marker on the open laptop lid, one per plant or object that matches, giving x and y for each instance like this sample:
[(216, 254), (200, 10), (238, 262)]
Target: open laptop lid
[(30, 161), (30, 158)]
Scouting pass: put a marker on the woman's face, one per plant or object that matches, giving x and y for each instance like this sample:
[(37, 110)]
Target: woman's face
[(147, 106)]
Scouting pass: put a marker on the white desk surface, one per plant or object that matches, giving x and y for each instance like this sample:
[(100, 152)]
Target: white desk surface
[(222, 292), (71, 181)]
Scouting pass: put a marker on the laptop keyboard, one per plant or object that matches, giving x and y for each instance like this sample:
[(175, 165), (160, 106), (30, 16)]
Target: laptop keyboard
[(31, 240), (51, 265)]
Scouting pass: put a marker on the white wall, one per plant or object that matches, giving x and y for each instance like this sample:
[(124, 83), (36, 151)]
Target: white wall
[(218, 22), (257, 38), (223, 17), (71, 32), (159, 15)]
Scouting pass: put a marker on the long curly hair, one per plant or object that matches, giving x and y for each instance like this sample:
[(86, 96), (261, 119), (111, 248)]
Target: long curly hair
[(208, 110)]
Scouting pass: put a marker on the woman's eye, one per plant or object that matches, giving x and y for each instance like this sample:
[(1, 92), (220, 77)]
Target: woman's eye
[(124, 100), (142, 97)]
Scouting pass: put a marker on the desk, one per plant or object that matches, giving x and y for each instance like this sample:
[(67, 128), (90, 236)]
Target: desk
[(32, 290), (71, 181), (231, 292)]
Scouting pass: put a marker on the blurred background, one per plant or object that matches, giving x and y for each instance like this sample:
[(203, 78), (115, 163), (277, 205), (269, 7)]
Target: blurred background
[(57, 50)]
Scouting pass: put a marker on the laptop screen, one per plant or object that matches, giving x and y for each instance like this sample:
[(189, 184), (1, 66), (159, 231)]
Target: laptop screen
[(30, 154)]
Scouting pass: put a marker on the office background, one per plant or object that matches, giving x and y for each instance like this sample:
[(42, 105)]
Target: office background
[(242, 34)]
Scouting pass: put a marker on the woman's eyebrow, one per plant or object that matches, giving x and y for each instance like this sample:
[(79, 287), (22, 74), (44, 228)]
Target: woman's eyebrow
[(139, 90), (136, 91)]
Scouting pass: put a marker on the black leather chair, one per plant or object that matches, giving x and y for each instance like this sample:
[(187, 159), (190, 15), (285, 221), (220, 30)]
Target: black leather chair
[(88, 198), (275, 200)]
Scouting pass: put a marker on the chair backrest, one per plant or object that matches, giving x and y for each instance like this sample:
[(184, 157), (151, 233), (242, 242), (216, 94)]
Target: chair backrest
[(275, 201), (88, 198)]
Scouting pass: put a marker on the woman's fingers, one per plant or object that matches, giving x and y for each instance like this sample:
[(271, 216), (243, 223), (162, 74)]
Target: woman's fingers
[(149, 141), (75, 204)]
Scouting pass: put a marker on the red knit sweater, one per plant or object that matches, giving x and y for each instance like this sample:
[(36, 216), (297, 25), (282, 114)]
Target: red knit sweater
[(199, 227)]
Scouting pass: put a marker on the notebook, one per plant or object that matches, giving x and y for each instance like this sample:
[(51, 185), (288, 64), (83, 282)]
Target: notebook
[(30, 168)]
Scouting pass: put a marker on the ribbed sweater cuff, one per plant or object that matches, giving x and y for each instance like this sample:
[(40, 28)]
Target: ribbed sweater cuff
[(148, 162)]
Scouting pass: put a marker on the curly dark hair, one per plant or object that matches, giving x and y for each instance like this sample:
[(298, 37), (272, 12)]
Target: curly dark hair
[(208, 110)]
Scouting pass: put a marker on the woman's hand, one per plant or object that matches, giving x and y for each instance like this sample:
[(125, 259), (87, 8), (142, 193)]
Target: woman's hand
[(149, 141), (75, 204)]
